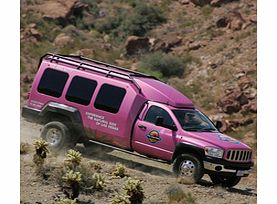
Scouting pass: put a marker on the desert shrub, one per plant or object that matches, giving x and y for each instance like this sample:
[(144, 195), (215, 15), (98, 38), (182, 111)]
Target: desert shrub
[(168, 65), (177, 196), (119, 171), (73, 159), (120, 199), (72, 180), (134, 190), (66, 201), (24, 148), (140, 20), (99, 181), (206, 10)]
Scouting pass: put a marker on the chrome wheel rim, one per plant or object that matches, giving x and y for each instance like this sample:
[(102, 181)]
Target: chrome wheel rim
[(187, 169), (54, 136)]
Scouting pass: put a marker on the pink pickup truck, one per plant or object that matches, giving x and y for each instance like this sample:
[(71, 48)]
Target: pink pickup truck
[(80, 100)]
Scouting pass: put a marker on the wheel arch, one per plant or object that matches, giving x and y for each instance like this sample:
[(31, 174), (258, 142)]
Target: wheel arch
[(62, 113), (188, 148)]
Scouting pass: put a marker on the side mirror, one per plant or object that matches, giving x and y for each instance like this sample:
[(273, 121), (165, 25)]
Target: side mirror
[(159, 121), (218, 124), (173, 127)]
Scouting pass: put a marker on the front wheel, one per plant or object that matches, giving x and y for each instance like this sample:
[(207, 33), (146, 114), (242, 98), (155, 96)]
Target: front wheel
[(189, 168), (57, 135), (225, 181)]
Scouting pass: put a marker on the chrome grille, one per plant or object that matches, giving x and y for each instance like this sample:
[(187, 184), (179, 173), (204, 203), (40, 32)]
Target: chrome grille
[(239, 155)]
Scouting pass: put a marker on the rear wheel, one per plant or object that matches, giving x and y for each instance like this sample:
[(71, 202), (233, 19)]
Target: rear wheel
[(189, 168), (225, 181), (57, 135)]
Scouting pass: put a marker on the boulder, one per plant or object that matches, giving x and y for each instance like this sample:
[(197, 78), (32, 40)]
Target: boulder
[(230, 102), (236, 20), (249, 108), (56, 10), (30, 33), (26, 79), (137, 45), (233, 21), (183, 2), (165, 43), (62, 40), (200, 2), (222, 22), (244, 82), (86, 52), (61, 11)]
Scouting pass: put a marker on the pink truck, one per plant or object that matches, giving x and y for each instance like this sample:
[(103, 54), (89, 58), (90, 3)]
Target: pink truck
[(80, 100)]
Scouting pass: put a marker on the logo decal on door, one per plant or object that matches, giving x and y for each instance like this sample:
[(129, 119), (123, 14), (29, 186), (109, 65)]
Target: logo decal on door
[(153, 136)]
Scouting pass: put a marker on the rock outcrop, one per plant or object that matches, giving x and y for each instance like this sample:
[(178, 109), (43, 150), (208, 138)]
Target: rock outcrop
[(137, 45)]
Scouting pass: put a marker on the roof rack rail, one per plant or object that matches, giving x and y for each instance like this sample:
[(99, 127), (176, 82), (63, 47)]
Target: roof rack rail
[(110, 65), (108, 70)]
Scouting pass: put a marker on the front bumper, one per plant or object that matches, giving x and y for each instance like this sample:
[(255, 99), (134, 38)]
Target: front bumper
[(220, 166)]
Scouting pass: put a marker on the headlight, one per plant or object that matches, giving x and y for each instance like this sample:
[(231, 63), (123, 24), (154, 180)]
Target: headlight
[(214, 152)]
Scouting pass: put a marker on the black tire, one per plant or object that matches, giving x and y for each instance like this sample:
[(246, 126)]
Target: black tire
[(188, 167), (58, 136), (225, 181)]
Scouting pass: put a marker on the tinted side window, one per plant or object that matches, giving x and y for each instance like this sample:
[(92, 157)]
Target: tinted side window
[(81, 90), (109, 98), (154, 112), (52, 82)]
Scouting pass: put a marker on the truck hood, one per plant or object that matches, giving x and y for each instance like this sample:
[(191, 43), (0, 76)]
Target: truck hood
[(217, 139)]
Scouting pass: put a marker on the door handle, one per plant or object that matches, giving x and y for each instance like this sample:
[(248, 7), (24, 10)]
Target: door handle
[(142, 127)]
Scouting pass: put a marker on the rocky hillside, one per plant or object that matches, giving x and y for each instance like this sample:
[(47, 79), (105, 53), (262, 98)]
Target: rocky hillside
[(204, 48)]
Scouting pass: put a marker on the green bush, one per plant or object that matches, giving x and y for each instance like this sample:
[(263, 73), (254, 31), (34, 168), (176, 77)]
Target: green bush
[(138, 21), (168, 65)]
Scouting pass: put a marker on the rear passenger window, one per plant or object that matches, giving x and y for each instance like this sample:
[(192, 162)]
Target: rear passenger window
[(81, 90), (109, 98), (52, 82)]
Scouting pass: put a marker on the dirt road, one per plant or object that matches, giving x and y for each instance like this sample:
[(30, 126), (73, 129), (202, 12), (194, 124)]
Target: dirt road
[(156, 176)]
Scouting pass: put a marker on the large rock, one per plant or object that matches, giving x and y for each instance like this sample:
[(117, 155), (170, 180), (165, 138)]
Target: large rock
[(62, 40), (232, 102), (200, 2), (30, 33), (236, 20), (233, 20), (249, 108), (137, 45), (61, 10)]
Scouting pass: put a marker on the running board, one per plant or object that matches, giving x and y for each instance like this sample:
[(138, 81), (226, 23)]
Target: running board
[(128, 152)]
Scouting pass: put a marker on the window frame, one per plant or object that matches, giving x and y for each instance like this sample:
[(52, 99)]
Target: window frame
[(107, 109), (164, 125), (80, 77), (40, 80)]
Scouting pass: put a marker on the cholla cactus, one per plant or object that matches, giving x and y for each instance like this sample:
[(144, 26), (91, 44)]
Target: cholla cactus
[(134, 190), (41, 152), (73, 180), (119, 171), (72, 177), (120, 199), (99, 181), (73, 159), (66, 201)]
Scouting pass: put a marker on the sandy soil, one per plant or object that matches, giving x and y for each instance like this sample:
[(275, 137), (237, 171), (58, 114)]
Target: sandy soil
[(157, 178)]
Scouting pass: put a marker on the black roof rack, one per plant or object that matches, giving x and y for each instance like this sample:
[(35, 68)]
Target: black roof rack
[(109, 70)]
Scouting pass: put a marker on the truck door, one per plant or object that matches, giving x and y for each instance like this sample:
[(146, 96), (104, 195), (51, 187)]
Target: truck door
[(153, 140)]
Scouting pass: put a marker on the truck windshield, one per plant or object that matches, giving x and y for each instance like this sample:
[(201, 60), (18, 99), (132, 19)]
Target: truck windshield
[(193, 120)]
